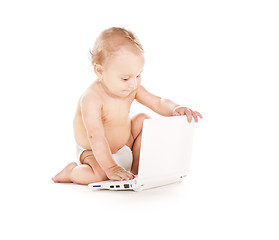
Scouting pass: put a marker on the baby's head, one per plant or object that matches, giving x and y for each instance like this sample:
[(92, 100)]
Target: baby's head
[(118, 60), (110, 41)]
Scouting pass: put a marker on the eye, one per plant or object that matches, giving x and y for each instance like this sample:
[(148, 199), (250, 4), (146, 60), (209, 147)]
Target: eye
[(125, 79)]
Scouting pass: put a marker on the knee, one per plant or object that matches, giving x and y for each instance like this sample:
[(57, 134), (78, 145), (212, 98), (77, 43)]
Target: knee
[(82, 174), (76, 175), (137, 123), (139, 118)]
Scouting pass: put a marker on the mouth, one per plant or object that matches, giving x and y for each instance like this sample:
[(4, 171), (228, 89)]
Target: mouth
[(128, 90)]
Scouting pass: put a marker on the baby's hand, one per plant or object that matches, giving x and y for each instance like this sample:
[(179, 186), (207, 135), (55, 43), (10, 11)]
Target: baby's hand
[(118, 173), (179, 111)]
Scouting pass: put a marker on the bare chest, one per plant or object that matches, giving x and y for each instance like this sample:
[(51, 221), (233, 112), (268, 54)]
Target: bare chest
[(116, 112)]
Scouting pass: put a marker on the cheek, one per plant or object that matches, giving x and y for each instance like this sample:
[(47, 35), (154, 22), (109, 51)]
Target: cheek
[(119, 85)]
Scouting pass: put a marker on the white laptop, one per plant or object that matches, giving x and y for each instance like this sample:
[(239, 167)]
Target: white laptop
[(165, 155)]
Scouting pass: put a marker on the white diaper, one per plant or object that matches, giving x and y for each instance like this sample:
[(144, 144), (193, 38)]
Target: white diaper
[(124, 156)]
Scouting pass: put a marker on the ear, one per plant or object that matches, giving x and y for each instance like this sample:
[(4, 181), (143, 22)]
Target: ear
[(98, 68)]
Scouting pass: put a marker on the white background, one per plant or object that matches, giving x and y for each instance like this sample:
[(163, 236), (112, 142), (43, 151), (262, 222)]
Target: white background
[(218, 57)]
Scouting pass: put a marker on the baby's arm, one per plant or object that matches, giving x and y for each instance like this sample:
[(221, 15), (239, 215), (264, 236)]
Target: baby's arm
[(91, 109), (164, 106)]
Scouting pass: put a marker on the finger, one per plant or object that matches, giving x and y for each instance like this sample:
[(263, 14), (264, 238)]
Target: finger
[(120, 175), (128, 175), (189, 115), (194, 115), (199, 115), (116, 178), (124, 176), (131, 175)]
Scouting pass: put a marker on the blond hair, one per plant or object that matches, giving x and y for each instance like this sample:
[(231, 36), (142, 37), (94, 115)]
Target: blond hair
[(110, 41)]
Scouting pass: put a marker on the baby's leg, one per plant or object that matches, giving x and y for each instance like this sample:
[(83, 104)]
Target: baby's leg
[(88, 172), (137, 123), (65, 175)]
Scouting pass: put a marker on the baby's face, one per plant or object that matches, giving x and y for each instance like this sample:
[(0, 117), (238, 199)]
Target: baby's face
[(122, 72)]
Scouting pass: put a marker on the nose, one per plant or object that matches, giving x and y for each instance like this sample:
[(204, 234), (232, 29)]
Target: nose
[(133, 83)]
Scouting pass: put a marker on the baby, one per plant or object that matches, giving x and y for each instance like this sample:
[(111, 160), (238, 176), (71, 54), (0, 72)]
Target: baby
[(108, 141)]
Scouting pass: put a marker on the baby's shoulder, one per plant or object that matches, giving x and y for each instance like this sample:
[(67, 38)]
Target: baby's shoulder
[(91, 95)]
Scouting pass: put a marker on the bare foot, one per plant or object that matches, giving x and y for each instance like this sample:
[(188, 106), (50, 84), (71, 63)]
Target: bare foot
[(65, 175)]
